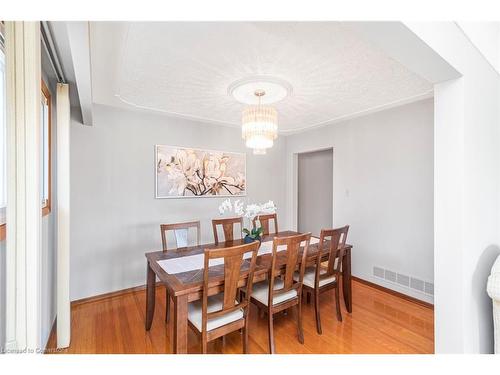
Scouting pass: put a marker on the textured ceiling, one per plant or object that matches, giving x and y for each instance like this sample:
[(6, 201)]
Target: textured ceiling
[(185, 69)]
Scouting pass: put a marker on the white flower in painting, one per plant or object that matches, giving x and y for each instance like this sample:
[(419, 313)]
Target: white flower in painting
[(215, 179), (182, 170), (179, 181), (213, 167), (189, 164)]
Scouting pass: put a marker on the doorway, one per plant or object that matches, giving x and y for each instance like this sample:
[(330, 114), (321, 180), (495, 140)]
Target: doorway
[(315, 191)]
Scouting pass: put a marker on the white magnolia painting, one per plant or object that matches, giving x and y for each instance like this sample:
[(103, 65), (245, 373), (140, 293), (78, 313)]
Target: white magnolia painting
[(187, 172)]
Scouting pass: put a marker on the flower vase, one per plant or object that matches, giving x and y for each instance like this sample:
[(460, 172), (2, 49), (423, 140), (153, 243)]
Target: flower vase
[(248, 239)]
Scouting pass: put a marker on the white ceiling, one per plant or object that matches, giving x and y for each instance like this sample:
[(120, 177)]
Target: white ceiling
[(185, 69)]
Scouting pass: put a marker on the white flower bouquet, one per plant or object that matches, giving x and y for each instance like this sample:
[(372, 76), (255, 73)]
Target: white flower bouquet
[(250, 212)]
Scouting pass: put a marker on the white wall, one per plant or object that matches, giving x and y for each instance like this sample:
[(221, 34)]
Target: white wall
[(383, 188), (315, 191), (114, 215), (467, 127)]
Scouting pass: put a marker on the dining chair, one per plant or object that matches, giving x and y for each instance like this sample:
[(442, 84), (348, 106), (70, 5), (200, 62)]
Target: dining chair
[(227, 227), (264, 223), (217, 315), (319, 279), (181, 233), (281, 291)]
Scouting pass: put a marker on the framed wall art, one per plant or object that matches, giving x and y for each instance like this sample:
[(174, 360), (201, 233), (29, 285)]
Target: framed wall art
[(189, 172)]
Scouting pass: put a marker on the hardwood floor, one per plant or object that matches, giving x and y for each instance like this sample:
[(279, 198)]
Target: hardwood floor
[(380, 323)]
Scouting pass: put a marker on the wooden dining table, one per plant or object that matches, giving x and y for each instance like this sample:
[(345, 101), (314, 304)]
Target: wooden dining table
[(185, 287)]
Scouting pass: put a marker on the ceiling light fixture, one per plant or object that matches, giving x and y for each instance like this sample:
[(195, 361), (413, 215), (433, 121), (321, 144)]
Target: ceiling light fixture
[(259, 125)]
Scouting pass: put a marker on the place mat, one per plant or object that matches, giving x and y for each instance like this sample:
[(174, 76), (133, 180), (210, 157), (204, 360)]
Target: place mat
[(195, 262)]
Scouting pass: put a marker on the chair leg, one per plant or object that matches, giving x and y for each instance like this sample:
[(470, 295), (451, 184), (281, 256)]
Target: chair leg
[(299, 322), (167, 302), (203, 344), (337, 303), (271, 333), (316, 310), (308, 296), (245, 340)]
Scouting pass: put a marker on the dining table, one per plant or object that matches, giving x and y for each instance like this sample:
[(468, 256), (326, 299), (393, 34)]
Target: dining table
[(181, 271)]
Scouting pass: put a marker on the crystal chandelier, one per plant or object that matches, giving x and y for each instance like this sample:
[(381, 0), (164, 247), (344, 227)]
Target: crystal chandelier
[(259, 125)]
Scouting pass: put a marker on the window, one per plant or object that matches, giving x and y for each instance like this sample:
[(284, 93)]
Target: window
[(3, 140), (45, 123), (45, 129)]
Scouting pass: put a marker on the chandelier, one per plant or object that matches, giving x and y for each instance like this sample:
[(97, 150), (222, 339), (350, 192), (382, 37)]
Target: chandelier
[(259, 125)]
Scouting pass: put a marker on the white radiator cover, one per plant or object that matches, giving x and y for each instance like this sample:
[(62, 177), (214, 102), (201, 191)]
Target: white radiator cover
[(493, 290)]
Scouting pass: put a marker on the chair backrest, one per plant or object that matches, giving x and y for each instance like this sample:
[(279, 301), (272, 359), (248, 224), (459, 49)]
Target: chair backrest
[(291, 250), (264, 223), (181, 233), (238, 260), (334, 241), (227, 227)]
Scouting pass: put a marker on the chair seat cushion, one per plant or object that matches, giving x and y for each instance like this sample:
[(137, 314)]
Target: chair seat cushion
[(309, 276), (260, 292), (214, 304)]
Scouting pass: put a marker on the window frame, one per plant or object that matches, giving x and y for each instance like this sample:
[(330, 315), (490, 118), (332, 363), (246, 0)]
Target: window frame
[(46, 206)]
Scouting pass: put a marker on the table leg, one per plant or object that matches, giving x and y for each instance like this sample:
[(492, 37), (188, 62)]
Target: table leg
[(150, 296), (346, 280), (180, 324)]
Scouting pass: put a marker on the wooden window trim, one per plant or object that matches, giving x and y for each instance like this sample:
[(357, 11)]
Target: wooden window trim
[(47, 207)]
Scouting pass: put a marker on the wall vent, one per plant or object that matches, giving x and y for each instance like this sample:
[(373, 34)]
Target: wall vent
[(429, 288), (391, 276), (416, 284), (378, 272), (404, 280)]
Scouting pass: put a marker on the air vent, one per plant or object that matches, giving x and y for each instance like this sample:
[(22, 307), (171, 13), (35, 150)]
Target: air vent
[(404, 280), (391, 276), (378, 272), (429, 288), (416, 284)]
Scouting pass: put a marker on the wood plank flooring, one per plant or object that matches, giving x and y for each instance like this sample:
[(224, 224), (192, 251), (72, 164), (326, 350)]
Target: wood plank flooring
[(380, 323)]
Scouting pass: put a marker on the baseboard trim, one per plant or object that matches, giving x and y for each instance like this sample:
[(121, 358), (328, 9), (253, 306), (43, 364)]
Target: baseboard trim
[(135, 289), (117, 293), (395, 293)]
